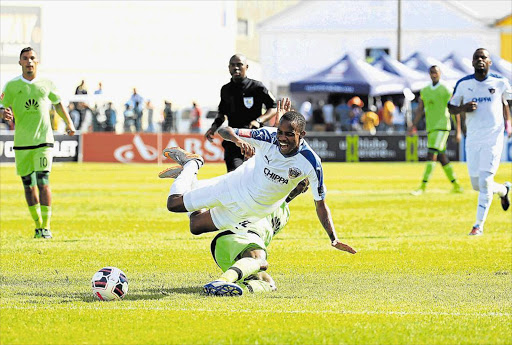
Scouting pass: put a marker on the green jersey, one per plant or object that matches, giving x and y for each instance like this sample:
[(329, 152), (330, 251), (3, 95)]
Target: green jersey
[(30, 103), (435, 100), (269, 226)]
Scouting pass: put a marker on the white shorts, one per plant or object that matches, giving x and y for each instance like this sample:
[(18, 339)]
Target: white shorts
[(483, 157), (226, 213)]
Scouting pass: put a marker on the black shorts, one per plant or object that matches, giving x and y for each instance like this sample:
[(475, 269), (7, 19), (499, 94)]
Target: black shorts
[(232, 155)]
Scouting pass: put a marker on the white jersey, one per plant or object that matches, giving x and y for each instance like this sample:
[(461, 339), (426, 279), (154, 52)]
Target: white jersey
[(486, 123), (265, 180)]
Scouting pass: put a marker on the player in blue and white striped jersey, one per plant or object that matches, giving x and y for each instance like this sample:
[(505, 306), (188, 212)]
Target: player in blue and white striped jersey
[(280, 159), (482, 96)]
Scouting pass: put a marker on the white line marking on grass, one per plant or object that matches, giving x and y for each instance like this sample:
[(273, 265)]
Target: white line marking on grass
[(251, 311)]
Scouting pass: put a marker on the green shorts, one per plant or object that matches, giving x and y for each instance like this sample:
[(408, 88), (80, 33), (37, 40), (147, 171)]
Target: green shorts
[(436, 140), (28, 161), (227, 247)]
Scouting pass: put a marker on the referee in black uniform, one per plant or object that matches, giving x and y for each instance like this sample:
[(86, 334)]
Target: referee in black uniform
[(241, 103)]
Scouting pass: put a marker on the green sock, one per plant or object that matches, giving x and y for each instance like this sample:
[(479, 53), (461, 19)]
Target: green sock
[(241, 269), (428, 171), (46, 214), (35, 212), (448, 170)]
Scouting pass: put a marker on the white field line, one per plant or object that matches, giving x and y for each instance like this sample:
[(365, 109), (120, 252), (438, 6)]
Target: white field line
[(251, 311)]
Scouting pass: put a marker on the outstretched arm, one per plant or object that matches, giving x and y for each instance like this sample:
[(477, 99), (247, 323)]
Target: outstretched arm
[(219, 120), (227, 133), (324, 215)]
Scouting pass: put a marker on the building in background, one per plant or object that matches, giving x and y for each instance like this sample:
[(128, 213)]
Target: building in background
[(249, 15), (168, 50), (302, 39), (505, 27)]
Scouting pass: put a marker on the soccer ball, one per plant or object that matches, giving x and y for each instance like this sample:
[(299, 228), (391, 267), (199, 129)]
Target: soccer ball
[(109, 284)]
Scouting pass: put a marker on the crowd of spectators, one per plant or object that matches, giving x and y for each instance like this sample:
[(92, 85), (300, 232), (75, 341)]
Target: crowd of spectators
[(338, 113), (100, 114)]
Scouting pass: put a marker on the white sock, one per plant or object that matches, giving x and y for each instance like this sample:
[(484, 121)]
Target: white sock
[(499, 189), (183, 183), (485, 182)]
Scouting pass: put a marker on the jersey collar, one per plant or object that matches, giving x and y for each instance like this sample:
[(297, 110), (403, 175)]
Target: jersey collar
[(433, 87), (243, 83), (487, 76), (28, 81)]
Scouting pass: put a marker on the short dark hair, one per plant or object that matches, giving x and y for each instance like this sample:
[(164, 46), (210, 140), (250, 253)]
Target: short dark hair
[(24, 50), (242, 58), (433, 66), (483, 49), (295, 117)]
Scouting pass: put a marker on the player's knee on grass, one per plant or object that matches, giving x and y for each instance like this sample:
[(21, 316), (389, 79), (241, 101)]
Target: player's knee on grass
[(43, 178), (175, 203), (29, 181)]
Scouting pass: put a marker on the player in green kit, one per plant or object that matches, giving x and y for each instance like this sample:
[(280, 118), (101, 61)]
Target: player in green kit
[(243, 256), (434, 100), (27, 100)]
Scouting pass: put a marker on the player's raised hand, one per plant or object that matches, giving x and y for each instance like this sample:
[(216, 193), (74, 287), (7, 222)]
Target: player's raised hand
[(7, 114), (342, 246), (283, 106)]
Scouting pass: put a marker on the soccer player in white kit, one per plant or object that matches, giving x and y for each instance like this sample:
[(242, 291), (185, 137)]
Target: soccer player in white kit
[(482, 96), (280, 159)]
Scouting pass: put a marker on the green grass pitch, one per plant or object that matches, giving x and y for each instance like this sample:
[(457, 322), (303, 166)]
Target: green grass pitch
[(418, 278)]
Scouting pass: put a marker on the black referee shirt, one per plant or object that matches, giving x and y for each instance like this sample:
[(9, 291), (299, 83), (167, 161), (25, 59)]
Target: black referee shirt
[(243, 102)]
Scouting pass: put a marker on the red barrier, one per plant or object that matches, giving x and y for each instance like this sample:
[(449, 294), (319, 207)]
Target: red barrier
[(145, 147)]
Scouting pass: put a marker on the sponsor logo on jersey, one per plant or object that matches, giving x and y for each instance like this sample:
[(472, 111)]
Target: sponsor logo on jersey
[(481, 99), (248, 102), (274, 177), (294, 173), (31, 104), (492, 90)]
